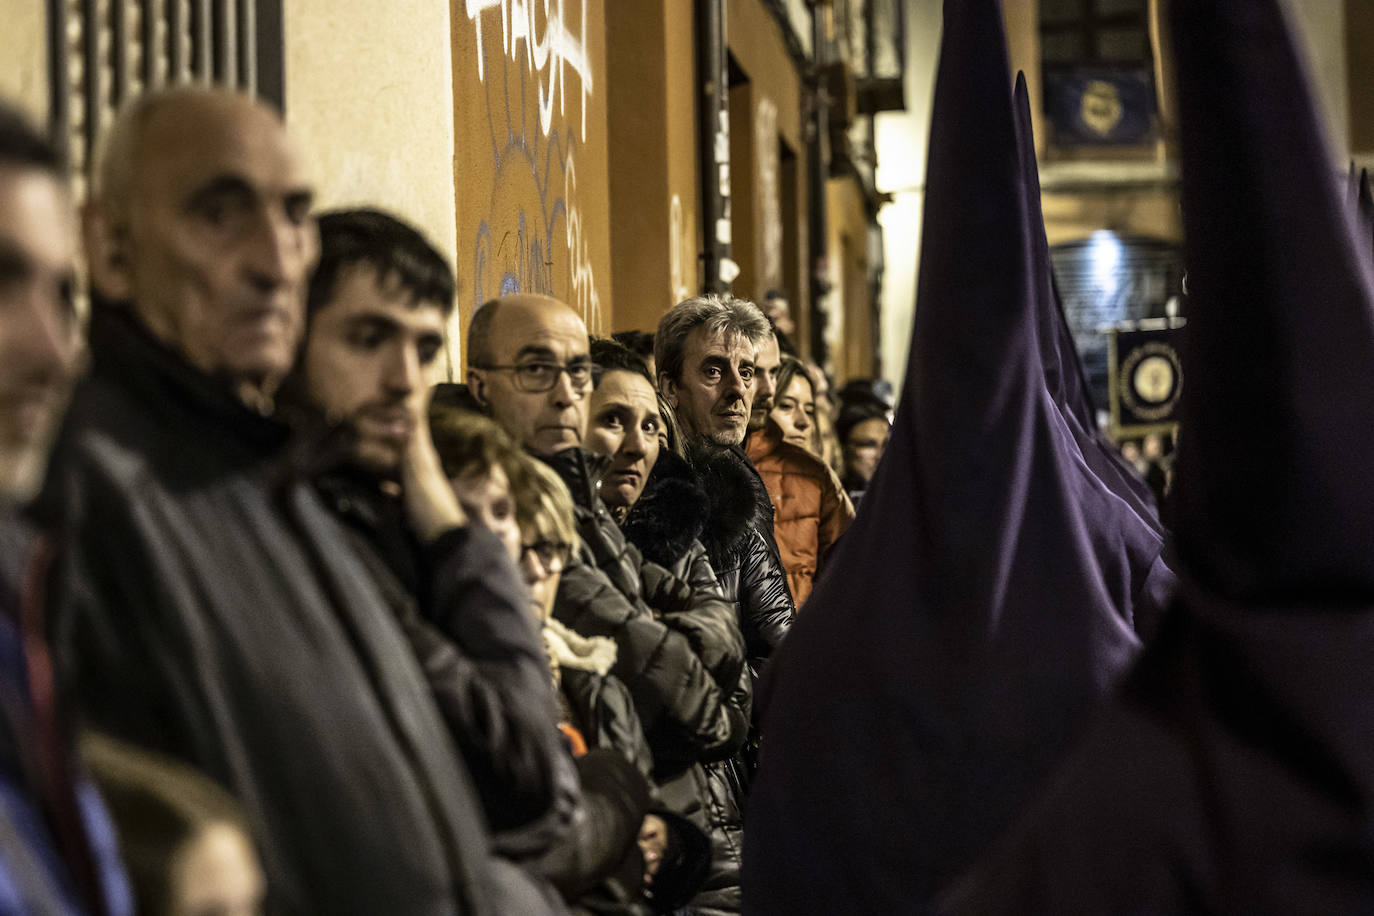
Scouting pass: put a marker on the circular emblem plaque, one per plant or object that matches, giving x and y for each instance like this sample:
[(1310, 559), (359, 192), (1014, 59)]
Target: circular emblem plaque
[(1102, 110), (1151, 380)]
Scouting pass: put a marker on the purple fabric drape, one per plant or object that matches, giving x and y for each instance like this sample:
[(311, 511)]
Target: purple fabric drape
[(1235, 770), (978, 610)]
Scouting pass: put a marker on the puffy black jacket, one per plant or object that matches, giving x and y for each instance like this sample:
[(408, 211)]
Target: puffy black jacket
[(738, 537), (608, 589), (665, 525)]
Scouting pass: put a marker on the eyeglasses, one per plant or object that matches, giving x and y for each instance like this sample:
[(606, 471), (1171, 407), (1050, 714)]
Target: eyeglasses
[(537, 377), (552, 555)]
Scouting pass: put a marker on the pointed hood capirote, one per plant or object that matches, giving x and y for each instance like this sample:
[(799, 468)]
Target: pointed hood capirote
[(1287, 338), (1234, 771), (1365, 207), (1064, 376), (1063, 371), (966, 629)]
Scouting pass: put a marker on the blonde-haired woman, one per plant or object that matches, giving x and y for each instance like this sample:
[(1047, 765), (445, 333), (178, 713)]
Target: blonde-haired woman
[(598, 715)]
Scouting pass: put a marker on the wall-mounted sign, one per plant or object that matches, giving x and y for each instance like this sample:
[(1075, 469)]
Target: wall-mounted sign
[(1145, 380), (1091, 107)]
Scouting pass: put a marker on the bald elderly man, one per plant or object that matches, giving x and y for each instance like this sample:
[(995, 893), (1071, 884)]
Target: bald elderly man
[(217, 611)]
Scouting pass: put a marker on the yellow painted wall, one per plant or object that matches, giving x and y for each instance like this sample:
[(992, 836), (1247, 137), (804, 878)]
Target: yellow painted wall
[(684, 171), (851, 338), (530, 157), (1359, 46), (651, 134), (369, 98), (24, 58), (767, 109)]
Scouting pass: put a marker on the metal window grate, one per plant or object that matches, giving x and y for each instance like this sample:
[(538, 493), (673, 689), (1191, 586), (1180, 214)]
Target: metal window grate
[(105, 52)]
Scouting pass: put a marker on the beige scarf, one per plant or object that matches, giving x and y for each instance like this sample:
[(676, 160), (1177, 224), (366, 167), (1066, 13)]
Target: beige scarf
[(568, 649)]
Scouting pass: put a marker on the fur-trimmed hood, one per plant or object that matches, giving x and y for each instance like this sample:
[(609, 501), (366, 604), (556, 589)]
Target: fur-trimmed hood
[(737, 499), (713, 495), (671, 512)]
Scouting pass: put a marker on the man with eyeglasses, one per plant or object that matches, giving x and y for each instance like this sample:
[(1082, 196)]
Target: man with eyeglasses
[(530, 367)]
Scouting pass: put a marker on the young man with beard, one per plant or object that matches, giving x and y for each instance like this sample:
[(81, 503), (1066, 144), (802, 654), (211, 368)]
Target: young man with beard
[(376, 310), (766, 368), (57, 848)]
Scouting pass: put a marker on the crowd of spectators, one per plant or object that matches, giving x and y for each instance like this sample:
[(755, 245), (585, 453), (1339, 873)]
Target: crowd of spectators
[(290, 629)]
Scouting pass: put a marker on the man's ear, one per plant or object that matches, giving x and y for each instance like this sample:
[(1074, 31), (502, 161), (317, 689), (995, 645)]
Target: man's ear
[(477, 387), (668, 388), (108, 252)]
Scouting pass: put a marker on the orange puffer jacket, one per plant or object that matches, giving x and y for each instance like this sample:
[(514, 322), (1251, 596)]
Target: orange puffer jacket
[(810, 508)]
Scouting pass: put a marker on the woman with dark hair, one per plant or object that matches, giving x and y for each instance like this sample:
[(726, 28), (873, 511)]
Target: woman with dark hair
[(812, 508), (863, 429), (653, 493)]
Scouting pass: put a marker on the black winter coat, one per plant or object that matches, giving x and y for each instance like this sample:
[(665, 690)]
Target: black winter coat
[(665, 525), (608, 589), (465, 611), (738, 537), (216, 612)]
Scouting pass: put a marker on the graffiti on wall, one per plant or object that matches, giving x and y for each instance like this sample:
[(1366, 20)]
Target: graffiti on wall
[(770, 206), (677, 239), (537, 84), (551, 55)]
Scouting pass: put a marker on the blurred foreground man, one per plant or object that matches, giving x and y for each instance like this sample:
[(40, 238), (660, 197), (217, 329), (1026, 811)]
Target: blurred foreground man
[(218, 613), (56, 843)]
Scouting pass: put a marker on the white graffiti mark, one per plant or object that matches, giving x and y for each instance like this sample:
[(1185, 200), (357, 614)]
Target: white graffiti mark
[(677, 283), (551, 57), (582, 277), (766, 141)]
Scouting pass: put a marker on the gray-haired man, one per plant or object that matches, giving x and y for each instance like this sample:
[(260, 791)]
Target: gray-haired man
[(707, 352)]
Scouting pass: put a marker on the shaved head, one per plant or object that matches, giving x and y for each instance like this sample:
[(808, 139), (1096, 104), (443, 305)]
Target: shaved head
[(517, 345), (200, 219), (484, 321), (150, 119)]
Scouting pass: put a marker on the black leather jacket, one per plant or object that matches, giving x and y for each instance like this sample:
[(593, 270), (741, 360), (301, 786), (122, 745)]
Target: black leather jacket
[(739, 542), (665, 525), (608, 589)]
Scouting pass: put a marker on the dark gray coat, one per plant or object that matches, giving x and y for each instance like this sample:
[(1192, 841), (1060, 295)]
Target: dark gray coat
[(217, 613), (465, 612)]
